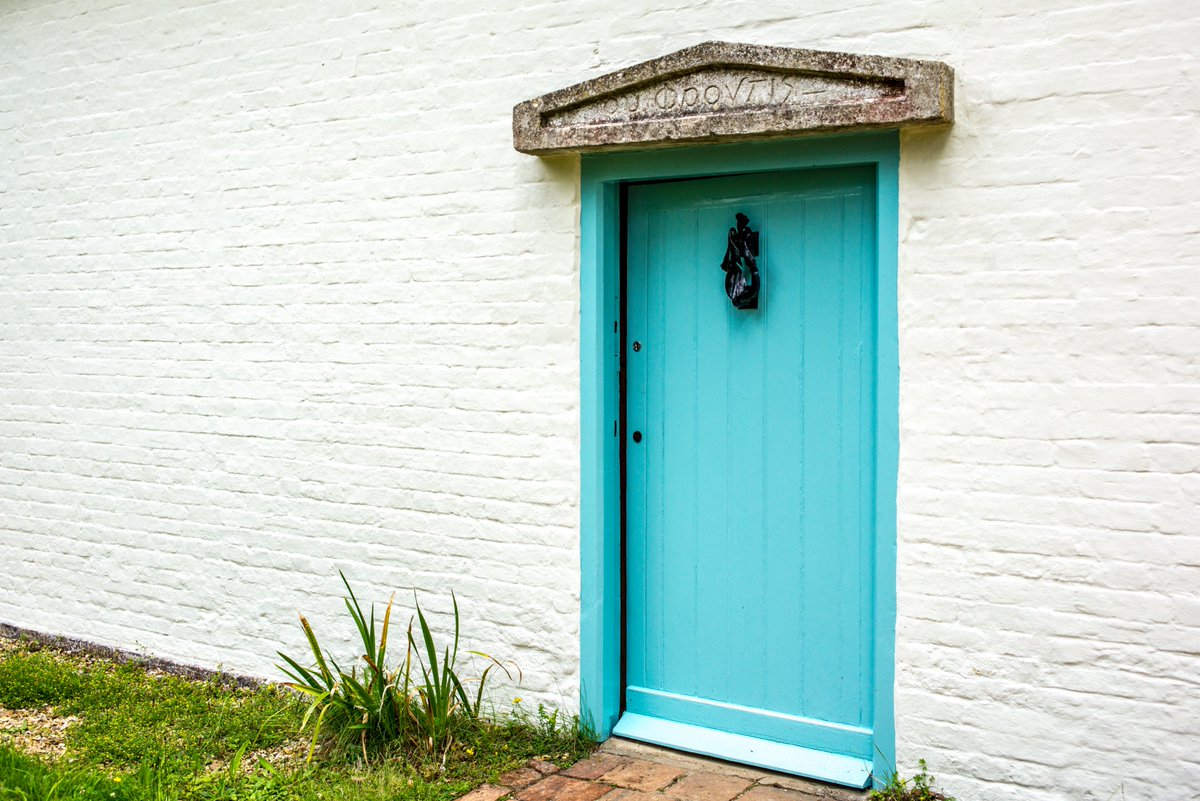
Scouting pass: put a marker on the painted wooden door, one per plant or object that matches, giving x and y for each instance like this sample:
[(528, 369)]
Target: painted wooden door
[(749, 473)]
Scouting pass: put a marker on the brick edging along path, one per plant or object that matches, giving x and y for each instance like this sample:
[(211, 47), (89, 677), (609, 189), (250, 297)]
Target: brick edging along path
[(623, 771)]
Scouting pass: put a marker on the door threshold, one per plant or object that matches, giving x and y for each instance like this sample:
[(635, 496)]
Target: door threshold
[(808, 762)]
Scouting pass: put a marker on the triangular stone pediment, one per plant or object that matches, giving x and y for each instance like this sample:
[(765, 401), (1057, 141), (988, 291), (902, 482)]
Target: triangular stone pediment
[(720, 91)]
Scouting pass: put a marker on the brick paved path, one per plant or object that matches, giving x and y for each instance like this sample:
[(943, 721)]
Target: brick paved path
[(627, 771)]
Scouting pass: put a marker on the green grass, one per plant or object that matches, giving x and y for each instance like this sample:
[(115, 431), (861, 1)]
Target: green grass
[(143, 737), (23, 778), (36, 678), (129, 718)]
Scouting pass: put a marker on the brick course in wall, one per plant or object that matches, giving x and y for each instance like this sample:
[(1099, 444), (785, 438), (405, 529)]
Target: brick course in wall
[(277, 297)]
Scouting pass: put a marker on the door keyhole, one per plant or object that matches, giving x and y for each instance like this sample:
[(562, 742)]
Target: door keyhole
[(637, 436)]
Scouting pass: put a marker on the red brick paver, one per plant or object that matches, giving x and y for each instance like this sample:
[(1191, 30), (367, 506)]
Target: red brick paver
[(638, 774), (543, 767), (521, 777), (632, 795), (765, 793), (594, 766), (486, 792), (707, 787), (562, 788)]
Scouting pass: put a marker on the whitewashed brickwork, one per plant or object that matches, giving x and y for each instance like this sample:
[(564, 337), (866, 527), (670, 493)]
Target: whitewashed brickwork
[(278, 297)]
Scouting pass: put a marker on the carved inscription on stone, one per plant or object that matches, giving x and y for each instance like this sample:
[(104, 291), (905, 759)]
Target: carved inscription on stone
[(718, 90), (727, 92)]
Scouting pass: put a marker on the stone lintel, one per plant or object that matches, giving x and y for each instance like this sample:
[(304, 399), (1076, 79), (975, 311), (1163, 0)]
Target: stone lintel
[(722, 91)]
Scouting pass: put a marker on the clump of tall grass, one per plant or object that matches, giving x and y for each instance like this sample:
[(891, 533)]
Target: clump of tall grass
[(419, 703)]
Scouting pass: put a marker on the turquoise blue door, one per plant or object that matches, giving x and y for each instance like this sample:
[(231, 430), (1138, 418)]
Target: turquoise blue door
[(750, 468)]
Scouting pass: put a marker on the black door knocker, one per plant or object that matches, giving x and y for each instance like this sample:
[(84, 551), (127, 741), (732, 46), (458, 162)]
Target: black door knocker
[(741, 265)]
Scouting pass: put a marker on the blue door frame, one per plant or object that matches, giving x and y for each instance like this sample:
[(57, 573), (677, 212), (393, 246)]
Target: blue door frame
[(600, 402)]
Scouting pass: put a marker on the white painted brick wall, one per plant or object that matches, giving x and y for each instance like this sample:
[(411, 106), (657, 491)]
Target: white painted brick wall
[(278, 297)]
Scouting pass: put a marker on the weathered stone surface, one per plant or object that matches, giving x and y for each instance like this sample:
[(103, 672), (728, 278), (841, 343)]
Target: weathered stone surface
[(542, 766), (762, 793), (633, 795), (707, 787), (485, 792), (638, 774), (561, 788), (809, 788), (692, 763), (521, 777), (720, 91), (594, 766)]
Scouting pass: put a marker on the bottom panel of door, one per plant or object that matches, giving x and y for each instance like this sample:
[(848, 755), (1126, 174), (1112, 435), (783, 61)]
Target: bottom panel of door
[(768, 754), (762, 724)]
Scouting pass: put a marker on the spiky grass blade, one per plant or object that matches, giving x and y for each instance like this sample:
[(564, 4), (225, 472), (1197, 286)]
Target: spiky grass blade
[(311, 636)]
